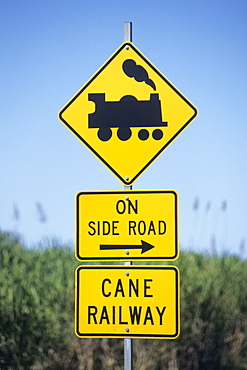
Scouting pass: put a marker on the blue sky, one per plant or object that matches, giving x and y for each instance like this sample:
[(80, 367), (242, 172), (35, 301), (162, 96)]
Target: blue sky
[(49, 49)]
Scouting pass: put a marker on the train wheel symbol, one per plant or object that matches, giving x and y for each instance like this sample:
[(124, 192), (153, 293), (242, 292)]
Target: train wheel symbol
[(124, 133), (143, 134), (104, 133), (157, 134)]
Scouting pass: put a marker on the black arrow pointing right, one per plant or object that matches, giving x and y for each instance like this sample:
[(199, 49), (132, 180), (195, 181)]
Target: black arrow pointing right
[(144, 246)]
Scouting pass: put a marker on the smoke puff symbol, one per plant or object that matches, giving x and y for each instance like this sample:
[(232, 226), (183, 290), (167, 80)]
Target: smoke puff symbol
[(131, 69)]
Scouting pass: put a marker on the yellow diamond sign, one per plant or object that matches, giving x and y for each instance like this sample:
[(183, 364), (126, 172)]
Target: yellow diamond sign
[(128, 113)]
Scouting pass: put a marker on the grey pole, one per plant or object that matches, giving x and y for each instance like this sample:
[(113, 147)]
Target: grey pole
[(128, 31), (128, 343)]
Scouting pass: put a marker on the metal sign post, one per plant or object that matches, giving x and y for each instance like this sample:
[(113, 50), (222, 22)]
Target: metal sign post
[(128, 343)]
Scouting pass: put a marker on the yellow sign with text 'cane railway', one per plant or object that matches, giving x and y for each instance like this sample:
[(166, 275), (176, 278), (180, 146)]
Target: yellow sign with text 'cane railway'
[(127, 302)]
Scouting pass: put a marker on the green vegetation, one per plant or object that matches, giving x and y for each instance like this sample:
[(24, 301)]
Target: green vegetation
[(37, 315)]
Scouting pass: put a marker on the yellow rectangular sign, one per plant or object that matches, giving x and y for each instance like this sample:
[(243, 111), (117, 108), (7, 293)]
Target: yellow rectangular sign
[(127, 225), (127, 302)]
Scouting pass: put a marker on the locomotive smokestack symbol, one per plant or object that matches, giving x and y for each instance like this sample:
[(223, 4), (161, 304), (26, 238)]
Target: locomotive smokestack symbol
[(131, 69)]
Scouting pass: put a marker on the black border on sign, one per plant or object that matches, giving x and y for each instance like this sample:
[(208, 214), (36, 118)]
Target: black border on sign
[(164, 258), (124, 181), (149, 336)]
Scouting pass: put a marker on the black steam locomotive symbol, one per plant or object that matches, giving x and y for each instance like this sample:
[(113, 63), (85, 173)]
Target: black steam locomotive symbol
[(128, 111), (125, 114)]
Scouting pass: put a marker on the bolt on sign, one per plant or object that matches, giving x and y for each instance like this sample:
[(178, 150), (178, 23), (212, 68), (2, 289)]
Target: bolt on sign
[(127, 302), (124, 225), (127, 113)]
